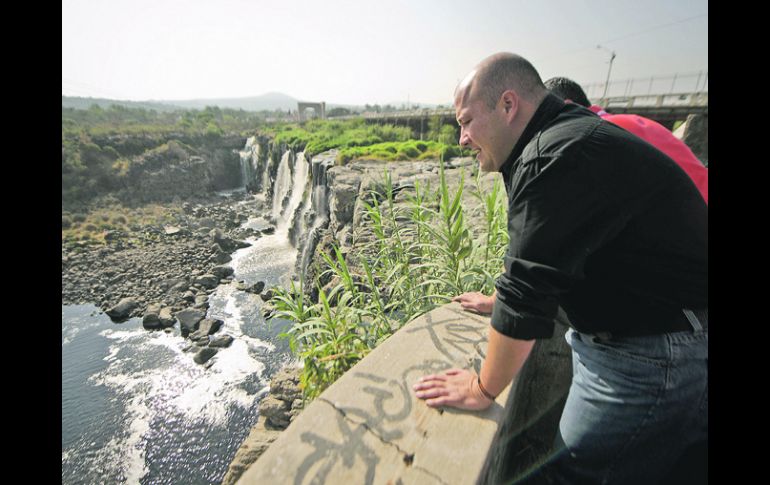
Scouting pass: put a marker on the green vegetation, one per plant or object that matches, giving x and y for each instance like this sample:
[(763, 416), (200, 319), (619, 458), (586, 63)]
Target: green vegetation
[(356, 139), (409, 150), (411, 267), (99, 146), (117, 119), (320, 135)]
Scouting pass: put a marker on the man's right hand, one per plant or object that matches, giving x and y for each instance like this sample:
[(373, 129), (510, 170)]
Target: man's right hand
[(476, 302)]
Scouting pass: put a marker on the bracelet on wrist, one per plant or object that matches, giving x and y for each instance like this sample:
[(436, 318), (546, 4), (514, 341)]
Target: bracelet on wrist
[(484, 391)]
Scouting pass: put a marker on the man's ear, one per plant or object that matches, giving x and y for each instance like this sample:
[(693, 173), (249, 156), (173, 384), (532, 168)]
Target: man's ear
[(510, 101)]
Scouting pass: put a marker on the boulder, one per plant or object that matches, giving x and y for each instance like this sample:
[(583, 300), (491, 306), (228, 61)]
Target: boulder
[(210, 325), (221, 341), (285, 385), (222, 272), (204, 355), (256, 288), (166, 318), (189, 319), (227, 244), (267, 311), (173, 284), (153, 308), (151, 321), (200, 338), (123, 309), (275, 411), (207, 281)]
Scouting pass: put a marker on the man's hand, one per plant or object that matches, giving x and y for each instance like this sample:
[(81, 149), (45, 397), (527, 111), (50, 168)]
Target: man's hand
[(476, 302), (456, 388)]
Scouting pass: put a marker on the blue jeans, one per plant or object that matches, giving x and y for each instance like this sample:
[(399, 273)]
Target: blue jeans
[(634, 406)]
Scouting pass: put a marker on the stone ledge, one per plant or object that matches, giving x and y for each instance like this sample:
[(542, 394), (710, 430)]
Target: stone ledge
[(368, 427)]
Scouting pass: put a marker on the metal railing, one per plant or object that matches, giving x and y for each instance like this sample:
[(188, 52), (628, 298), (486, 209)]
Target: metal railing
[(694, 82)]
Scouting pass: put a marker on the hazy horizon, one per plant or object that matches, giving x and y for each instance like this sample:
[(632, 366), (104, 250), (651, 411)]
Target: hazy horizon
[(357, 52)]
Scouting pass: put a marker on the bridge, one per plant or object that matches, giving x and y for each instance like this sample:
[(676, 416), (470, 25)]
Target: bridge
[(318, 108), (665, 99), (666, 109)]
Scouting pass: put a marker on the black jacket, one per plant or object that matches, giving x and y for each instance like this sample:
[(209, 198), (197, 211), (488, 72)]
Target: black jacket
[(601, 223)]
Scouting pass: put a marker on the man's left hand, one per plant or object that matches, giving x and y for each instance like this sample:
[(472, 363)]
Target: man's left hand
[(456, 388)]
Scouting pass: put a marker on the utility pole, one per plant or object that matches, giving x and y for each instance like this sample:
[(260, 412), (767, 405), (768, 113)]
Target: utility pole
[(612, 58)]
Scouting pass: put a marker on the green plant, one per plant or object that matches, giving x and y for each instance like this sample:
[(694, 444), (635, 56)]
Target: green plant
[(421, 256)]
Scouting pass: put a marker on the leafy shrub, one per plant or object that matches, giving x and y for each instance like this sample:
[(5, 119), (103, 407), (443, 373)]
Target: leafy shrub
[(408, 269)]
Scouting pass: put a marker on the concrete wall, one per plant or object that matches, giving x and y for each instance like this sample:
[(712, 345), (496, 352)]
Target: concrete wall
[(368, 427)]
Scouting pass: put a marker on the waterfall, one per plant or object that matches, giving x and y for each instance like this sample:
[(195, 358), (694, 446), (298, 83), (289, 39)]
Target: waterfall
[(264, 187), (282, 185), (319, 213), (249, 161), (297, 192), (294, 189)]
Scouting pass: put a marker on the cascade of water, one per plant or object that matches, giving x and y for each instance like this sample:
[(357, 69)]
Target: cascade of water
[(282, 185), (266, 179), (296, 188), (297, 192), (319, 212), (249, 160), (303, 212)]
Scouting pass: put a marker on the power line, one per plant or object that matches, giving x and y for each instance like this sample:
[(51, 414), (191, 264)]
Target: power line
[(656, 28), (633, 34)]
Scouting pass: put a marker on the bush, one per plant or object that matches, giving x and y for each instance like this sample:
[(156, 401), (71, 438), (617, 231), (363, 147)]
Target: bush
[(408, 152), (90, 228), (420, 258), (79, 217), (119, 220), (66, 222)]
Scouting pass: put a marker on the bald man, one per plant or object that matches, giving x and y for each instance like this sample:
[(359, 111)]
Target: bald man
[(610, 229)]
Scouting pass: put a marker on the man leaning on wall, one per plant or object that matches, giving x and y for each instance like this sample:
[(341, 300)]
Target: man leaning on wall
[(609, 228)]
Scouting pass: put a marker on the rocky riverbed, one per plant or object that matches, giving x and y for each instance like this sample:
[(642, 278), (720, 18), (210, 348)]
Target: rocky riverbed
[(165, 273)]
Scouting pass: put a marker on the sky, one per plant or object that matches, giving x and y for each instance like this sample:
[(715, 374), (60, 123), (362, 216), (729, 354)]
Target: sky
[(367, 52)]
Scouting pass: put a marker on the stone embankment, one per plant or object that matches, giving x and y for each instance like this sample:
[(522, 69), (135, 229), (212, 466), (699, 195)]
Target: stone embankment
[(369, 427), (276, 411)]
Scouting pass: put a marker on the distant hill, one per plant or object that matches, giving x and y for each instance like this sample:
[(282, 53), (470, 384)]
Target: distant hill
[(268, 101), (85, 103)]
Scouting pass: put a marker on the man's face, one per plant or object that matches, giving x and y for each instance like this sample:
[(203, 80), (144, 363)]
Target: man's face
[(485, 131)]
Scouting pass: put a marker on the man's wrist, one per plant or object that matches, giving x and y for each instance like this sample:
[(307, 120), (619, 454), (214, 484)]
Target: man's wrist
[(486, 393)]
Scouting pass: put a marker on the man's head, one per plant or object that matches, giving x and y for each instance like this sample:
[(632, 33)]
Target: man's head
[(493, 105), (567, 89)]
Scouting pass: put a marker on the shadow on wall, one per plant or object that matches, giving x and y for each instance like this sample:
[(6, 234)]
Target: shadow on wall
[(535, 403)]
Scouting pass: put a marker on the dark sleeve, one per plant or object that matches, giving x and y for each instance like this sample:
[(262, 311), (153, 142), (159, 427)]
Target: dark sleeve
[(558, 215)]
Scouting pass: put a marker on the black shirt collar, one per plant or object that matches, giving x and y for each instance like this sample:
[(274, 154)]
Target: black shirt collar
[(548, 108)]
